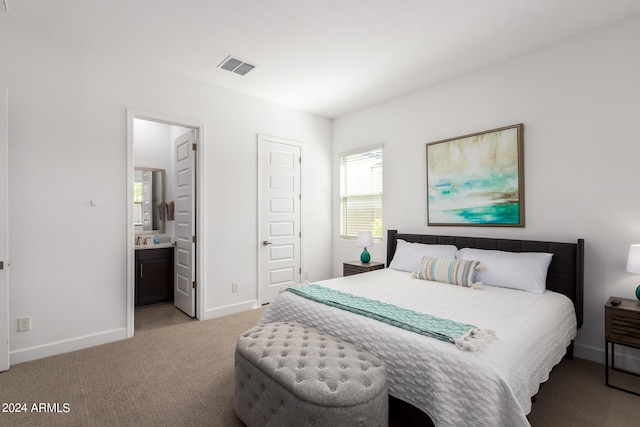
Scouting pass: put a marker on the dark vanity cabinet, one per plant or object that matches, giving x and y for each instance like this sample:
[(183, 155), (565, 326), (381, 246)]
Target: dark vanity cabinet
[(154, 275)]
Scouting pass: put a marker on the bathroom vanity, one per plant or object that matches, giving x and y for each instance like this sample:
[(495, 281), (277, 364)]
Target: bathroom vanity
[(154, 273)]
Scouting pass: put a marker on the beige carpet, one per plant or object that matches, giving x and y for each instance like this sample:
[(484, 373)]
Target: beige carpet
[(178, 375), (182, 375)]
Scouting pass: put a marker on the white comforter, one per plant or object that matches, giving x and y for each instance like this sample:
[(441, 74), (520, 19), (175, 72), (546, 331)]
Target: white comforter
[(491, 387)]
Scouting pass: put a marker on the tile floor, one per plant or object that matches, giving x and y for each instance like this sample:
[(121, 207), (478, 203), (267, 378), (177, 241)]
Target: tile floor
[(156, 316)]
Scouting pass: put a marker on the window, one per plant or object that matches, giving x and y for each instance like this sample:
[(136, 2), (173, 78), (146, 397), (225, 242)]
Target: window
[(137, 203), (361, 192)]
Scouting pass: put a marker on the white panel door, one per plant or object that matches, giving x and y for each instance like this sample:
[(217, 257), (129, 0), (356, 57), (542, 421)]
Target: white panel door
[(279, 215), (185, 225), (4, 231)]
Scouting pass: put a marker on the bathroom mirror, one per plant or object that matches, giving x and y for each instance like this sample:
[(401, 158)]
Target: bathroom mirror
[(148, 200)]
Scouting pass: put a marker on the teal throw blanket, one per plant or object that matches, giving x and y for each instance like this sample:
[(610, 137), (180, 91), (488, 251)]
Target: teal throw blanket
[(424, 324)]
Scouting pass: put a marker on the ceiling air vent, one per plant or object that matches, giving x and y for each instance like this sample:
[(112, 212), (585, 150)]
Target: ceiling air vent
[(236, 66)]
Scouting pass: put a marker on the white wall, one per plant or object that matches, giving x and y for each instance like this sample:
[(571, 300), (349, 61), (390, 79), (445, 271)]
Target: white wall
[(151, 148), (67, 145), (579, 101)]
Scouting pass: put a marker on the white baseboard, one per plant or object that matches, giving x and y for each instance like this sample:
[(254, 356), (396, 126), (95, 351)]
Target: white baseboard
[(79, 343), (230, 309), (65, 346), (626, 358), (595, 354)]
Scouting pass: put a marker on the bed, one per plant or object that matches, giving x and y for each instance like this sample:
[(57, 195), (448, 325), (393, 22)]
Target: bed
[(493, 386)]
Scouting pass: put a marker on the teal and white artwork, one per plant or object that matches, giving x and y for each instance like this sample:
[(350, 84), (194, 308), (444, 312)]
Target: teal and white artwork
[(477, 179)]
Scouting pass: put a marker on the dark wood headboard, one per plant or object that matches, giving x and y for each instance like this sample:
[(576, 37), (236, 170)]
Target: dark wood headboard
[(565, 274)]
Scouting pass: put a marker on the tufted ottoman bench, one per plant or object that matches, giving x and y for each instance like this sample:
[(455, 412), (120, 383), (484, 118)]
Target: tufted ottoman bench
[(289, 374)]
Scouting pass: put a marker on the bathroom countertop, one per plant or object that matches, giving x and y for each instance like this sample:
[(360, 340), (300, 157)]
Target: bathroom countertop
[(154, 246)]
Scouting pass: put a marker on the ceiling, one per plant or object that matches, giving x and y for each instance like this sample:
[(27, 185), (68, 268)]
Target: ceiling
[(327, 57)]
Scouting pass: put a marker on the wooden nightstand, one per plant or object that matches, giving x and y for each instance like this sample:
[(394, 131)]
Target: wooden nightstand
[(357, 267), (621, 326)]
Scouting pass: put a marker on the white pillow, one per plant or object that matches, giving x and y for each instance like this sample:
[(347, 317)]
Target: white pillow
[(408, 255), (526, 271)]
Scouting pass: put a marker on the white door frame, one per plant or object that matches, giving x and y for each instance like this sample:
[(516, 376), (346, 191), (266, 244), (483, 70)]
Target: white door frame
[(199, 129), (262, 138), (4, 231)]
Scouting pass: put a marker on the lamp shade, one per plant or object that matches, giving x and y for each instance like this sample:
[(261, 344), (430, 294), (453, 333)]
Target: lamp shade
[(365, 238), (633, 260)]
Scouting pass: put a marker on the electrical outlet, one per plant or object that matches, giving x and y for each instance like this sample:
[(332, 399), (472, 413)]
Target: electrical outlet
[(24, 324), (234, 287), (306, 275)]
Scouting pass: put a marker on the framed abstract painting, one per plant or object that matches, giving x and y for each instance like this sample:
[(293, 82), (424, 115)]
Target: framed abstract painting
[(477, 179)]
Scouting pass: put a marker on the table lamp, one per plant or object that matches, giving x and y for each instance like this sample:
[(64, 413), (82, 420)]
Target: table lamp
[(365, 238), (633, 263)]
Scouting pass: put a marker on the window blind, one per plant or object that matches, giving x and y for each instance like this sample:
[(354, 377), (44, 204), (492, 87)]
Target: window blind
[(361, 192)]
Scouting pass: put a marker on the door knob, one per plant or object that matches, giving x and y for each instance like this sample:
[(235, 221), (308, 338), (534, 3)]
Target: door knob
[(266, 243)]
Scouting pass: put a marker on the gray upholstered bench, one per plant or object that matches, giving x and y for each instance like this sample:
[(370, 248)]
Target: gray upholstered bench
[(289, 374)]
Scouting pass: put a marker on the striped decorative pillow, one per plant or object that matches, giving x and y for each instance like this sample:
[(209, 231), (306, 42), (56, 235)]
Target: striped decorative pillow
[(457, 272)]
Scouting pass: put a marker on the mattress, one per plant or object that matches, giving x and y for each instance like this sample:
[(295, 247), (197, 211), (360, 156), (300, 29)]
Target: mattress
[(490, 387)]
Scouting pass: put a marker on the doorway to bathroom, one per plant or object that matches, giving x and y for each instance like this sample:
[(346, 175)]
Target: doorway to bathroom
[(164, 170)]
